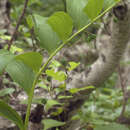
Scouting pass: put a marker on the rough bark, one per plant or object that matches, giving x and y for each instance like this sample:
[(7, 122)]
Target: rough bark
[(126, 71), (125, 68)]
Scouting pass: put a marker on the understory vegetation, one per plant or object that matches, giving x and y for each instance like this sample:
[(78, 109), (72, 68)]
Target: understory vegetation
[(64, 66)]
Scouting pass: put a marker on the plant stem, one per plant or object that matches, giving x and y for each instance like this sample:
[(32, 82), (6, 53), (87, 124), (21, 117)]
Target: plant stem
[(50, 58)]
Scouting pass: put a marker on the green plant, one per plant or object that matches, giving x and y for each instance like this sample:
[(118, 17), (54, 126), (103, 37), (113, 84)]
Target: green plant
[(53, 33)]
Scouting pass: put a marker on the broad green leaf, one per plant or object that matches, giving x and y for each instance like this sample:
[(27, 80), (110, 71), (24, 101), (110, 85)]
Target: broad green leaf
[(51, 103), (73, 65), (6, 91), (21, 74), (75, 10), (22, 69), (52, 31), (49, 123), (5, 58), (108, 3), (9, 113), (59, 75), (48, 39), (93, 8), (82, 11), (62, 24), (111, 127), (31, 59)]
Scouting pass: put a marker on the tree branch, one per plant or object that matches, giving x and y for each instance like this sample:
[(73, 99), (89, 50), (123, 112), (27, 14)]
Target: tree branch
[(18, 24)]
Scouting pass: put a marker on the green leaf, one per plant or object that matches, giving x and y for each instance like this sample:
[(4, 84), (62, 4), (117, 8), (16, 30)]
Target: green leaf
[(53, 30), (93, 8), (6, 91), (14, 49), (75, 9), (73, 65), (58, 111), (5, 58), (29, 21), (60, 75), (82, 11), (65, 97), (31, 59), (9, 113), (22, 69), (21, 74), (86, 88), (48, 39), (111, 127), (54, 64), (62, 24), (49, 123), (108, 3), (42, 85), (51, 103), (75, 90)]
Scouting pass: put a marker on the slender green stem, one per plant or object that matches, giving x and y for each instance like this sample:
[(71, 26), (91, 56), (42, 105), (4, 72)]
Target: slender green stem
[(50, 58)]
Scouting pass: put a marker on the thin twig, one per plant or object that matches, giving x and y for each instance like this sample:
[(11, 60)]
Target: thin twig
[(18, 24)]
